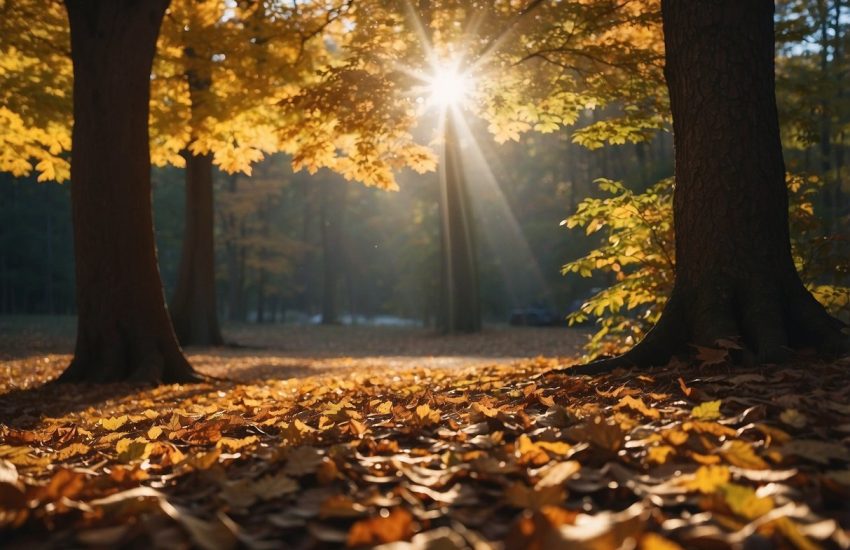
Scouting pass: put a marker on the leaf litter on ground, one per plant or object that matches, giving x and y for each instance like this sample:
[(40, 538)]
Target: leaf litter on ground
[(503, 456)]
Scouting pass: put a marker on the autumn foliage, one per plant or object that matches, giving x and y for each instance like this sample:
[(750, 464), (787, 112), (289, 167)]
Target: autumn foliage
[(525, 456)]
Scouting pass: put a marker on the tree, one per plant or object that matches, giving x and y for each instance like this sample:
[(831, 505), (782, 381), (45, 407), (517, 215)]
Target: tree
[(735, 277), (123, 329), (332, 226), (460, 303)]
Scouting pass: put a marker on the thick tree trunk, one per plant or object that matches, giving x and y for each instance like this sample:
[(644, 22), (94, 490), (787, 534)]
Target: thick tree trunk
[(123, 329), (193, 307), (460, 307), (735, 278)]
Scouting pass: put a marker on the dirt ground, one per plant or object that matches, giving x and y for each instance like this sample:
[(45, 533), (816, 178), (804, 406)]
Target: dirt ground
[(286, 351)]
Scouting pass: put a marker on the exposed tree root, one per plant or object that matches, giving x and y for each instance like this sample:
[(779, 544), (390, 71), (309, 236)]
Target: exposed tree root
[(768, 324), (120, 364)]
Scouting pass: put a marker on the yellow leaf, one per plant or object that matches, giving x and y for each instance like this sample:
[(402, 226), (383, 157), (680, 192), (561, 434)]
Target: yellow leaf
[(233, 444), (744, 502), (654, 541), (707, 411), (639, 406), (203, 461), (71, 450), (114, 423), (741, 454), (659, 454), (556, 447), (154, 432), (707, 479), (384, 408), (792, 533), (130, 450)]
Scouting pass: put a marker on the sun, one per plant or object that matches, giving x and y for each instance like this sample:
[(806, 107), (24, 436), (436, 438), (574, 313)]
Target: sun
[(448, 86)]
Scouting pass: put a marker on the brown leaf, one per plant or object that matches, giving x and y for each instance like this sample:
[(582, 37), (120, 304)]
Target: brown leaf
[(396, 525), (637, 405), (520, 495)]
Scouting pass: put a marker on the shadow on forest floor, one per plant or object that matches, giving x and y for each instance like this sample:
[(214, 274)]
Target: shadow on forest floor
[(34, 350)]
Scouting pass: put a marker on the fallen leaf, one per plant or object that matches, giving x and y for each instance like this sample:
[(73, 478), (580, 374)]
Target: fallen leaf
[(396, 525), (708, 479), (709, 410), (744, 502), (742, 454)]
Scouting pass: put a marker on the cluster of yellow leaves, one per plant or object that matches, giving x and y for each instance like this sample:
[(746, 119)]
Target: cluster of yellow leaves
[(636, 246), (330, 82), (522, 454), (35, 90)]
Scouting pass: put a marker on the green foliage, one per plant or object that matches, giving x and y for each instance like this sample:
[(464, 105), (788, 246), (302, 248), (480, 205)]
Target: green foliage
[(636, 254)]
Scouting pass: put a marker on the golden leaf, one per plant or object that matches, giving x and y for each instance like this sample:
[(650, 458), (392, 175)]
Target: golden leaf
[(707, 479), (639, 406), (744, 502), (654, 541), (741, 454), (114, 423), (707, 411), (396, 526)]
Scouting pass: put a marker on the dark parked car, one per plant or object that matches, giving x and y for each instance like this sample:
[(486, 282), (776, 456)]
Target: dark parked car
[(536, 317)]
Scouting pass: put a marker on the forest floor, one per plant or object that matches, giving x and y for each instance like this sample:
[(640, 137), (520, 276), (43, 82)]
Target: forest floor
[(327, 437)]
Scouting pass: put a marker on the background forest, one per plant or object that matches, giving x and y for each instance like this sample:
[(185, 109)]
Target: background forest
[(296, 247)]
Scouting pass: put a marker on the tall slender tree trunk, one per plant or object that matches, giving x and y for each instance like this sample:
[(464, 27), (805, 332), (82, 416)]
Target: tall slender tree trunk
[(303, 280), (235, 251), (123, 329), (48, 252), (193, 307), (460, 303), (735, 278), (261, 295), (332, 218)]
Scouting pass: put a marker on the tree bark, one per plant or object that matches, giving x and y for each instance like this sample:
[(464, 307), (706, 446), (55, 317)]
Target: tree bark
[(460, 307), (193, 306), (332, 218), (735, 277), (123, 328)]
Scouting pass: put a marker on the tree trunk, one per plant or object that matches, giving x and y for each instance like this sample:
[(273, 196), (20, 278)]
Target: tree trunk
[(48, 252), (459, 304), (193, 306), (332, 217), (123, 328), (735, 278)]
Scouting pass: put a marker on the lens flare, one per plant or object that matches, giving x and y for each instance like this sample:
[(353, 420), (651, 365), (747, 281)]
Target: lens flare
[(448, 86)]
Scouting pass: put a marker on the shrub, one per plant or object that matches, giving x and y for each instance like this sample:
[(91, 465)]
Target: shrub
[(637, 256)]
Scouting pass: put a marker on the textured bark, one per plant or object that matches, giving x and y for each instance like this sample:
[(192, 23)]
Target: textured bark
[(735, 277), (459, 302), (123, 329), (193, 306)]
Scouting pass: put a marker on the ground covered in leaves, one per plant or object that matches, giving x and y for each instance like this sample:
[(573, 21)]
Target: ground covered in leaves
[(511, 455)]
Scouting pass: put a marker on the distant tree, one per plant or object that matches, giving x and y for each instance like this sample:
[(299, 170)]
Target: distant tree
[(735, 275), (123, 330)]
